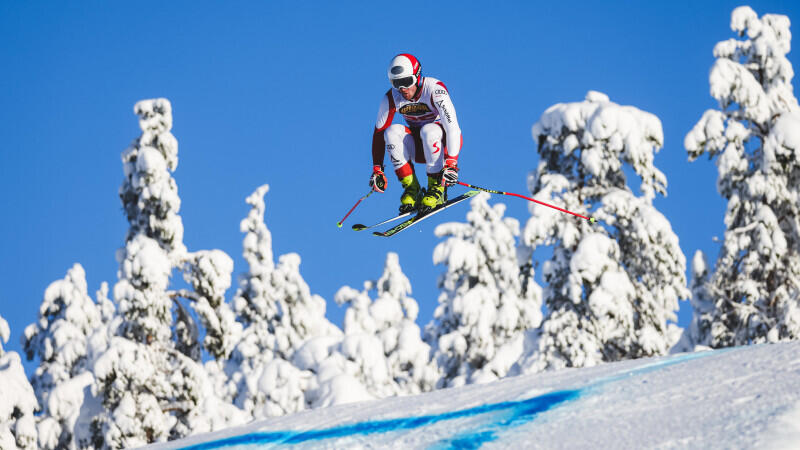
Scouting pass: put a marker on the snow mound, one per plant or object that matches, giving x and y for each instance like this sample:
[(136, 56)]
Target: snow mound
[(744, 397)]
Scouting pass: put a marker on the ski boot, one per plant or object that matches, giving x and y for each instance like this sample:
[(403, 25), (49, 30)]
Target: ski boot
[(434, 195), (412, 194)]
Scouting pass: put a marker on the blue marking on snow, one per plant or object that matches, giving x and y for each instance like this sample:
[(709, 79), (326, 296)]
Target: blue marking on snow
[(499, 417), (523, 412), (469, 441), (511, 413)]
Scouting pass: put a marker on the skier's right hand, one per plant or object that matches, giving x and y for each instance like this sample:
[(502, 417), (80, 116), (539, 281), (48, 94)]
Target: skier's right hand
[(378, 179)]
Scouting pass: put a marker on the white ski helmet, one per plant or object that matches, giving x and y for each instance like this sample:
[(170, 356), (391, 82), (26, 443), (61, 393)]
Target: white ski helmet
[(404, 71)]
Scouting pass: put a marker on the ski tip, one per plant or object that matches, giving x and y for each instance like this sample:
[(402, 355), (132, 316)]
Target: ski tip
[(359, 227), (379, 233)]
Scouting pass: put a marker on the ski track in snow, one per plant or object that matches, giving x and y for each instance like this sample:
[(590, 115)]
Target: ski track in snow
[(723, 398)]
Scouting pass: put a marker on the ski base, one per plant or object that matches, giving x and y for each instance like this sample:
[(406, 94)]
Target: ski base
[(360, 227), (419, 218)]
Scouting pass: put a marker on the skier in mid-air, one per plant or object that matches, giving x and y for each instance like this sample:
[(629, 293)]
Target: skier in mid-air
[(432, 136)]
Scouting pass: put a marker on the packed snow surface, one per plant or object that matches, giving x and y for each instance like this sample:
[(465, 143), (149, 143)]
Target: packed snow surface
[(744, 397)]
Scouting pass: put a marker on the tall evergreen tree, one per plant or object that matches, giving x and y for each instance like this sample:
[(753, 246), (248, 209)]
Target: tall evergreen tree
[(611, 290), (488, 300), (279, 314), (71, 329), (67, 317), (755, 286), (152, 388), (149, 194), (209, 274), (382, 338)]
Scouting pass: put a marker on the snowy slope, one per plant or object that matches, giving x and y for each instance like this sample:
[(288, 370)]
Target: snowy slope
[(746, 397)]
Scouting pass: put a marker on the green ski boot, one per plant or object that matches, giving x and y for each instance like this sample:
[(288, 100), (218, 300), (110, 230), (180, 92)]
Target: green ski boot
[(434, 195), (412, 194)]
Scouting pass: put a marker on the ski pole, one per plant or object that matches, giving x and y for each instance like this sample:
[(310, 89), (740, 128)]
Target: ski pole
[(339, 223), (493, 191)]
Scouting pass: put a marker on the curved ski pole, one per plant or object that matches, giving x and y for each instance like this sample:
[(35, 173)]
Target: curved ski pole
[(493, 191), (339, 223)]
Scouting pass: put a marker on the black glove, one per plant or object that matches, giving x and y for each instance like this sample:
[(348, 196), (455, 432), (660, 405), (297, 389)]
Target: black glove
[(378, 179), (450, 172)]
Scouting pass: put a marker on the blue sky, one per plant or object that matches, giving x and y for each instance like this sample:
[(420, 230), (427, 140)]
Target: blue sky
[(286, 93)]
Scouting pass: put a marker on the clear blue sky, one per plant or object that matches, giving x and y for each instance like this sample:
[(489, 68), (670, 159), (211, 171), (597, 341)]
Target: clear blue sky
[(286, 93)]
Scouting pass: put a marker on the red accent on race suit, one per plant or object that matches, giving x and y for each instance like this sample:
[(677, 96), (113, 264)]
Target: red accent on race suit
[(404, 170), (392, 110), (378, 141)]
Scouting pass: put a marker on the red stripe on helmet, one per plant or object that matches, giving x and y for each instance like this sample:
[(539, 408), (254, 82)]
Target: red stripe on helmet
[(414, 62)]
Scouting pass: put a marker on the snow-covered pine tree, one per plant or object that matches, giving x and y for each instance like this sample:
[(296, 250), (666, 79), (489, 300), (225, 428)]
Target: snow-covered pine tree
[(407, 354), (697, 335), (17, 422), (145, 381), (383, 344), (149, 194), (611, 290), (258, 381), (358, 356), (279, 314), (209, 274), (489, 298), (71, 329), (152, 390), (67, 317), (755, 287)]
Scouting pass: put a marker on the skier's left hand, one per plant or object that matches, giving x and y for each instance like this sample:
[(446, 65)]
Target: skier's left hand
[(378, 180), (450, 172)]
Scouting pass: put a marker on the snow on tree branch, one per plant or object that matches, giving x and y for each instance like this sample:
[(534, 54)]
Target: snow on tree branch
[(752, 295), (611, 290), (69, 333), (209, 273), (17, 422), (598, 136), (382, 337), (149, 194)]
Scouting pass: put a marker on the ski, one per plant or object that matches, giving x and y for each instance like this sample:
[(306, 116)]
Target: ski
[(359, 227), (419, 218)]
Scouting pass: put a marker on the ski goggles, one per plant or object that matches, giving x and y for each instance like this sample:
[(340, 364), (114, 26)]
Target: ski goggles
[(404, 83)]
